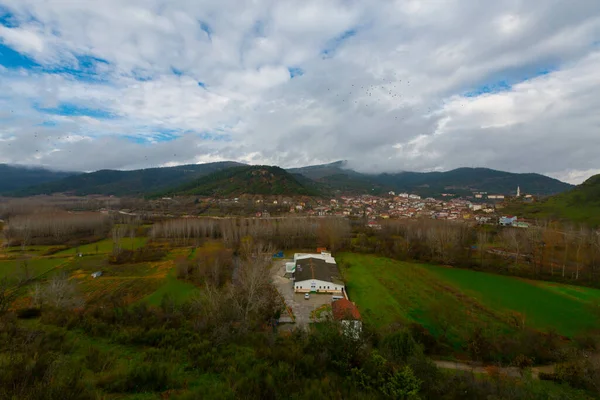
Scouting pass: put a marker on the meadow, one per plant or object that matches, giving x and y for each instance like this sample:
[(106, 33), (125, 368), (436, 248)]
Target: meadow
[(105, 246), (442, 298), (15, 269)]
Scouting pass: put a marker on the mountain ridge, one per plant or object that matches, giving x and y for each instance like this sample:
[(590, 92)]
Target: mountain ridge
[(15, 177), (251, 179), (328, 179)]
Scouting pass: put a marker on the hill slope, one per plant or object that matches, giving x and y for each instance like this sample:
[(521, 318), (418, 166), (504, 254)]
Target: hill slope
[(257, 179), (582, 205), (13, 177), (120, 183)]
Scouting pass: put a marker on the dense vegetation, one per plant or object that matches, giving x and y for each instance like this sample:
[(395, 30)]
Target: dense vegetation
[(247, 180), (580, 205)]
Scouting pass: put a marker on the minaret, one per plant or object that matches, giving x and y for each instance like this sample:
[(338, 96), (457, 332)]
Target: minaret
[(518, 191)]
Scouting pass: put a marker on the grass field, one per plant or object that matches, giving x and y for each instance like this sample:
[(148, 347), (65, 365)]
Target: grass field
[(179, 290), (389, 291), (12, 269), (544, 306), (106, 246)]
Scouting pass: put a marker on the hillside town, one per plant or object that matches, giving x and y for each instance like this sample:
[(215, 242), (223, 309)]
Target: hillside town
[(482, 208)]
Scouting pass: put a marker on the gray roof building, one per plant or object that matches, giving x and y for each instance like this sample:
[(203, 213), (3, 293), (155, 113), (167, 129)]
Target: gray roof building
[(314, 268)]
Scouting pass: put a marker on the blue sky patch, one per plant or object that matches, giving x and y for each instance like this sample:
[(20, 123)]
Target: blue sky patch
[(176, 71), (10, 58), (336, 42), (294, 72), (504, 82), (202, 84), (206, 29), (7, 19), (72, 110), (85, 69), (136, 139)]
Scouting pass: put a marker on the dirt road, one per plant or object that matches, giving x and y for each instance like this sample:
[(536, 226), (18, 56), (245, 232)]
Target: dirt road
[(508, 371)]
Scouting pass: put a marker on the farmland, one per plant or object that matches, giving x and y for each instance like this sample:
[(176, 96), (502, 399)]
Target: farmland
[(435, 296)]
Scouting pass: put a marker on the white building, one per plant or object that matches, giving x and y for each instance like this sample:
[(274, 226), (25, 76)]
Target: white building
[(317, 273)]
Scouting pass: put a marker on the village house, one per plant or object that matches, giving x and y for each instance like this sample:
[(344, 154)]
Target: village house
[(347, 313)]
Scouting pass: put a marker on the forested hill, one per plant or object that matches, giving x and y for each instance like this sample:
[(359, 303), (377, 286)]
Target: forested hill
[(13, 177), (461, 181), (580, 205), (464, 181), (237, 181), (121, 183)]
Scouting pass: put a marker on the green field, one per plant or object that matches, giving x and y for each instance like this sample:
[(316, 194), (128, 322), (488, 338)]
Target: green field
[(14, 268), (389, 291), (179, 290), (106, 246)]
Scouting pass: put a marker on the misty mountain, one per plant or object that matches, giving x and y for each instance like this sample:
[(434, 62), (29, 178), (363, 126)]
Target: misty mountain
[(14, 177), (127, 183)]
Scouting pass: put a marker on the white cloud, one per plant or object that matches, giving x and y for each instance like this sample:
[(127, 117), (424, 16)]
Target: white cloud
[(383, 87)]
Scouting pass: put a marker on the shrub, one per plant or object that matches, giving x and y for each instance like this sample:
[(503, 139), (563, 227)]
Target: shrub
[(143, 377), (399, 346), (29, 313), (98, 361)]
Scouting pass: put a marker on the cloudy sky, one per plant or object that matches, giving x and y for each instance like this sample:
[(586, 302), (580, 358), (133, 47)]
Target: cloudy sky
[(387, 85)]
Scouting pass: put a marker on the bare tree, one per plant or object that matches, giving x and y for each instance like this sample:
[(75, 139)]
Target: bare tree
[(482, 241), (252, 293), (512, 239), (60, 293)]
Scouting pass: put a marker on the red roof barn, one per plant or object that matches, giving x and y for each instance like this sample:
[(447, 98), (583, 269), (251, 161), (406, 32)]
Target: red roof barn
[(345, 310)]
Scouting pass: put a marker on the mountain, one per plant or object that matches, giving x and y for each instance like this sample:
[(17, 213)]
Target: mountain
[(327, 179), (464, 181), (580, 205), (336, 177), (237, 181), (127, 183), (316, 172), (14, 177)]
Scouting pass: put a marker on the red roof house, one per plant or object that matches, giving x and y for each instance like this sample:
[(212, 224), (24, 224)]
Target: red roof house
[(344, 310)]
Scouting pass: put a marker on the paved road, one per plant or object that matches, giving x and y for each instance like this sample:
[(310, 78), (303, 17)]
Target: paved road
[(301, 308)]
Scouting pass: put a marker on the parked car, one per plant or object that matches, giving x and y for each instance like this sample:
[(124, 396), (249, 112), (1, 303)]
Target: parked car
[(307, 296)]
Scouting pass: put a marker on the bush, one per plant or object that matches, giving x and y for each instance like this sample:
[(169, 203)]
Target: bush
[(399, 346), (144, 377), (98, 361), (29, 313), (147, 253)]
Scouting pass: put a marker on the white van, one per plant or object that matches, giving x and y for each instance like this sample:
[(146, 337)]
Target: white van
[(334, 298)]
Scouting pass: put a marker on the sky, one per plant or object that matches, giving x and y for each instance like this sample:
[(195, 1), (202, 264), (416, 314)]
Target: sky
[(417, 85)]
